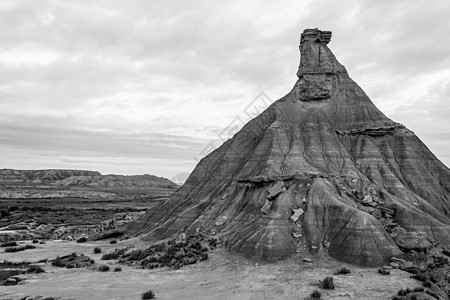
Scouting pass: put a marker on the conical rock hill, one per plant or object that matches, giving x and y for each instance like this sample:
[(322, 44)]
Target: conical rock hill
[(321, 169)]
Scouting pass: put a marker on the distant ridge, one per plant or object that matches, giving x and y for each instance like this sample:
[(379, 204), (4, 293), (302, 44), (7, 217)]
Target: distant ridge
[(64, 177)]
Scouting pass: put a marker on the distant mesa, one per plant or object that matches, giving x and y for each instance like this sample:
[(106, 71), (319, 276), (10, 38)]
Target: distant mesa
[(320, 170), (60, 183)]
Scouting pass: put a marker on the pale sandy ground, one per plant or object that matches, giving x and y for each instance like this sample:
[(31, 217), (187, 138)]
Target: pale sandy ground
[(223, 276)]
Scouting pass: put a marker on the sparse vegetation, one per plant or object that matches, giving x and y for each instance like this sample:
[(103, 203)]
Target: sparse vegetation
[(113, 242), (117, 269), (81, 240), (327, 283), (35, 269), (21, 248), (175, 253), (148, 295), (384, 271), (72, 261), (103, 268), (97, 250), (315, 295), (9, 244), (342, 271)]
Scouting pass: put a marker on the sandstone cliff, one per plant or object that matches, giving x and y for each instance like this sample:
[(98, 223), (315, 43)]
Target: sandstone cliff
[(322, 169)]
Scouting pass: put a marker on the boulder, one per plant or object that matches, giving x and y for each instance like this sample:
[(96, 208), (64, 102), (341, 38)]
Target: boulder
[(297, 213), (275, 190), (413, 241)]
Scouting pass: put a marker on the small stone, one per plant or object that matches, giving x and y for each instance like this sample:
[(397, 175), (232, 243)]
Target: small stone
[(367, 199), (314, 247), (308, 260), (296, 235)]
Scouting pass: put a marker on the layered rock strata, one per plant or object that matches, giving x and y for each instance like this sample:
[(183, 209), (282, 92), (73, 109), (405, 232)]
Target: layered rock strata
[(323, 148)]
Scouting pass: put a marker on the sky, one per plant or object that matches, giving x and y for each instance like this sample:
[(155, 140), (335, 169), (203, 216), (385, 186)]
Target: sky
[(142, 86)]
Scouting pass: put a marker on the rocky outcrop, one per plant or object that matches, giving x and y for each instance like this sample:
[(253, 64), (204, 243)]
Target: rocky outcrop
[(325, 148)]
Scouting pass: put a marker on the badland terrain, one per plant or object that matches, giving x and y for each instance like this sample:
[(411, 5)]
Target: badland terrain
[(320, 196)]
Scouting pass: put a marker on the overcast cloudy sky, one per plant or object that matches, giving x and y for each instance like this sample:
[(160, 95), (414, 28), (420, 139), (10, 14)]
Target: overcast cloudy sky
[(140, 86)]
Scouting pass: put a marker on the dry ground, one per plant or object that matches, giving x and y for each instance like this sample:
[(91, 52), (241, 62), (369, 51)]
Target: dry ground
[(223, 276)]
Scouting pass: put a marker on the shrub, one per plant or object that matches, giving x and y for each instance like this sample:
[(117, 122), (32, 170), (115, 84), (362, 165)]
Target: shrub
[(384, 271), (117, 269), (148, 295), (113, 242), (81, 240), (446, 252), (57, 262), (315, 295), (103, 268), (35, 241), (420, 277), (35, 269), (427, 284), (418, 289), (17, 249), (9, 244), (204, 256), (342, 271), (97, 250), (327, 283), (109, 256), (41, 242)]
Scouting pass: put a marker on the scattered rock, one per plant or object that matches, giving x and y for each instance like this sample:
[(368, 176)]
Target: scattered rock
[(387, 211), (394, 265), (296, 235), (276, 190), (266, 207), (297, 213), (367, 199), (308, 260)]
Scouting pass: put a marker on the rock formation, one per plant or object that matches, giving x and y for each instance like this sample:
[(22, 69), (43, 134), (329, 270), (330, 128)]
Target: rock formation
[(359, 178)]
